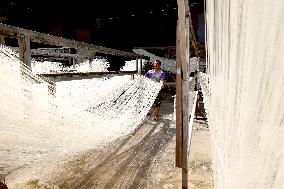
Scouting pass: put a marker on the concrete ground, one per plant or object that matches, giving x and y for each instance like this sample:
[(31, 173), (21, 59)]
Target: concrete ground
[(143, 159), (200, 157)]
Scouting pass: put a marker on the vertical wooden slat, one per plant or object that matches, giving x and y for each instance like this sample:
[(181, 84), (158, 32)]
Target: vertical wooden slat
[(186, 72), (24, 49), (178, 102), (185, 134), (140, 66)]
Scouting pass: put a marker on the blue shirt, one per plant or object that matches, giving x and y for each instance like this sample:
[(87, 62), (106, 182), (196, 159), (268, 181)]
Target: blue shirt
[(160, 75)]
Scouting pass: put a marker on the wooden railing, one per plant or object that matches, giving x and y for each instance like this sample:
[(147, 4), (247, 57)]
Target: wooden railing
[(83, 50), (25, 37)]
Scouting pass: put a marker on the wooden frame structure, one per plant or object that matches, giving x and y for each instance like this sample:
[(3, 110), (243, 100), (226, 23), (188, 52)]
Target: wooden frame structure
[(25, 37), (81, 54)]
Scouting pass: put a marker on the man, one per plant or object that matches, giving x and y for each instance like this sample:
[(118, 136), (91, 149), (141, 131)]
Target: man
[(157, 75)]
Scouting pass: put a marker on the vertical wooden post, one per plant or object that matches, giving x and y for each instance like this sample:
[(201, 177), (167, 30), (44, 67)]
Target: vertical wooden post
[(25, 49), (26, 87), (73, 62), (137, 59), (140, 66), (183, 54), (2, 40)]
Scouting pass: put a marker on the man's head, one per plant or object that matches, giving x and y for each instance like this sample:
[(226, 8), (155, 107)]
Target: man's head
[(157, 64)]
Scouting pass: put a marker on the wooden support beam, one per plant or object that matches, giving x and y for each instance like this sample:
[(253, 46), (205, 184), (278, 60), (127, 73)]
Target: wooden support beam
[(137, 59), (73, 62), (2, 40), (24, 49), (55, 54), (12, 31), (58, 53), (79, 74), (183, 57), (156, 48), (88, 75)]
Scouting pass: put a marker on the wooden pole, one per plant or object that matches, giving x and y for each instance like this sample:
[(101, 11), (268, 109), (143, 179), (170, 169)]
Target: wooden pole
[(24, 49), (137, 59), (185, 90), (25, 58), (183, 54), (2, 40)]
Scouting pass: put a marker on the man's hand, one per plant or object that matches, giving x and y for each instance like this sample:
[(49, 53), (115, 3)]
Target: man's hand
[(162, 84)]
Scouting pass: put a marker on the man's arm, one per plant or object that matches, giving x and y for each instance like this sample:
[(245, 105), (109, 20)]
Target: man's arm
[(162, 82), (162, 79)]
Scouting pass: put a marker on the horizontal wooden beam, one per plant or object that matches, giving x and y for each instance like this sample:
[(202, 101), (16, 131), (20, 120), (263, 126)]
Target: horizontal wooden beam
[(58, 53), (55, 54), (12, 31), (88, 75), (159, 48)]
